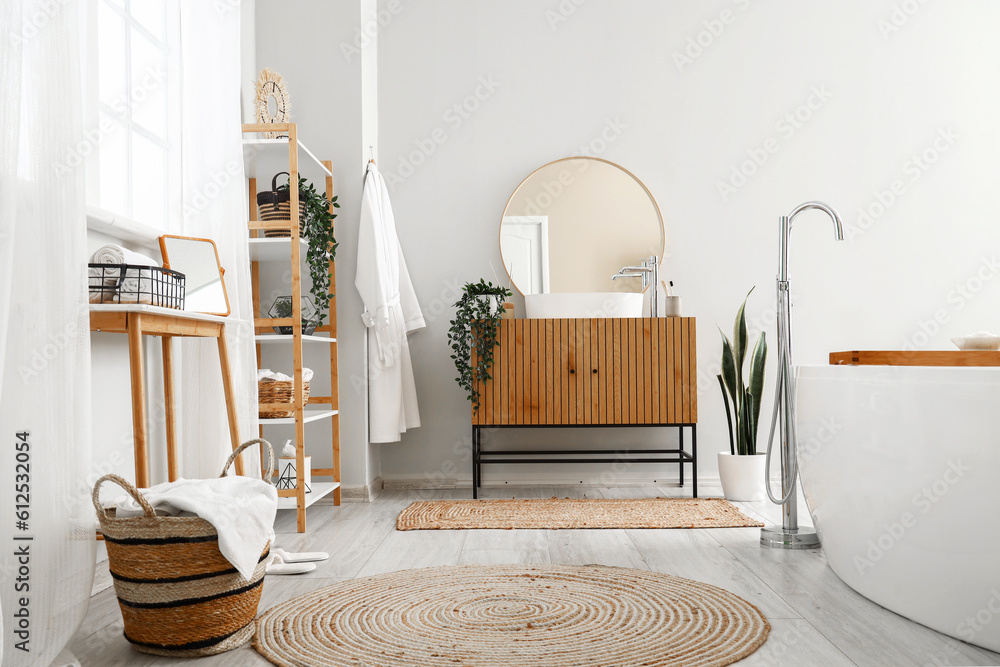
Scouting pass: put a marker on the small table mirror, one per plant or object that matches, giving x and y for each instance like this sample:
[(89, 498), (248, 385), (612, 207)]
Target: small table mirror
[(198, 259)]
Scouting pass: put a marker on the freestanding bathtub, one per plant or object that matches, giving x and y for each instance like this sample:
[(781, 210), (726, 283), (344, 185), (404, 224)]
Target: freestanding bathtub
[(900, 468)]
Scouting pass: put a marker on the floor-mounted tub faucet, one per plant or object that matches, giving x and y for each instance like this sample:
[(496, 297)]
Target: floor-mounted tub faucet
[(789, 535), (648, 270)]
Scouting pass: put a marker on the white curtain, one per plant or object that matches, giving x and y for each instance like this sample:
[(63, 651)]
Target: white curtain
[(44, 334), (215, 207)]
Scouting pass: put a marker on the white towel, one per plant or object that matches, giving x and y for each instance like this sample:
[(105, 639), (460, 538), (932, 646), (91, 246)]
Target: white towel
[(267, 374), (137, 286), (116, 254), (241, 509)]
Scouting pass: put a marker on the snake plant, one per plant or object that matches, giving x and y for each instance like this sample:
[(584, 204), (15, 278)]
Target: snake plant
[(745, 397)]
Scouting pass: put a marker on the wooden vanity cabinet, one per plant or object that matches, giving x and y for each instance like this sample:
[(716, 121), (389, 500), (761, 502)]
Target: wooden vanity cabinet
[(599, 372), (591, 372)]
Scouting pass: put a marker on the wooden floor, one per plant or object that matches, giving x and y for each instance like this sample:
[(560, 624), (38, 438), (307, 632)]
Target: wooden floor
[(816, 619)]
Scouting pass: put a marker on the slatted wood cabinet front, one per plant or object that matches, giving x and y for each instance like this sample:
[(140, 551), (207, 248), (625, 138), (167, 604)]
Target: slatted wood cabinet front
[(592, 371)]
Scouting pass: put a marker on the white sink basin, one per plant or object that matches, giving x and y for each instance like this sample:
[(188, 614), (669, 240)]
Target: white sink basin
[(584, 304)]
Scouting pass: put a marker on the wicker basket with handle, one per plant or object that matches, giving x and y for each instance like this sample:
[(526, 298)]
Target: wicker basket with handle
[(279, 391), (275, 204), (179, 596)]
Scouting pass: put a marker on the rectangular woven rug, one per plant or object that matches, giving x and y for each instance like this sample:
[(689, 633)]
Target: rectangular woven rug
[(557, 513)]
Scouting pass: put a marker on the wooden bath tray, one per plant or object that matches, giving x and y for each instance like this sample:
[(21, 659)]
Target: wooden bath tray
[(919, 358)]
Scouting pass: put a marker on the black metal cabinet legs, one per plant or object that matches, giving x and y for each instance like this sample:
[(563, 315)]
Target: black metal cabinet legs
[(679, 456), (476, 468), (694, 460)]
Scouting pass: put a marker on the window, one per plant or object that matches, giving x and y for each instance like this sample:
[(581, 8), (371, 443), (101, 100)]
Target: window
[(131, 109)]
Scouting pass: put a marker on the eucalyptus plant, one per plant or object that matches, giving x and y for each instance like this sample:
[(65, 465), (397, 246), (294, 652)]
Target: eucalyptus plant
[(317, 228), (746, 397), (475, 329)]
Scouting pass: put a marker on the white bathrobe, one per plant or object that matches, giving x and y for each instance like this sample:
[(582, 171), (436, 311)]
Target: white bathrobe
[(391, 312)]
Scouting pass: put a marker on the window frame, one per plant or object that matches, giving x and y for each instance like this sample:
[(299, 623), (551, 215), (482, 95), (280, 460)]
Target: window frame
[(124, 224)]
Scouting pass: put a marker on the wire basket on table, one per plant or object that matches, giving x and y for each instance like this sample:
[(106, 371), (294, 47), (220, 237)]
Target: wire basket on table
[(131, 283)]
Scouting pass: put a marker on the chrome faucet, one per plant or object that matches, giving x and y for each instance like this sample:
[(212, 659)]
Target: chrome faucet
[(789, 535), (648, 270)]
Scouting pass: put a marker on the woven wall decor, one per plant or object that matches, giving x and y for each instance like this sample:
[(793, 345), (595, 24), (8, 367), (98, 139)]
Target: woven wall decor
[(271, 86)]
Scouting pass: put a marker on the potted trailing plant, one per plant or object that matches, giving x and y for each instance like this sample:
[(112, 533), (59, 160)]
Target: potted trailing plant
[(742, 469), (317, 227), (282, 307), (474, 329)]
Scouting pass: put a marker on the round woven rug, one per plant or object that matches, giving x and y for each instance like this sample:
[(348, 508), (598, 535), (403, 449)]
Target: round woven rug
[(513, 616)]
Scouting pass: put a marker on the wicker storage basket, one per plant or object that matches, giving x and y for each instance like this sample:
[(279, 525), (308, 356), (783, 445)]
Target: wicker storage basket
[(276, 204), (178, 594), (278, 391)]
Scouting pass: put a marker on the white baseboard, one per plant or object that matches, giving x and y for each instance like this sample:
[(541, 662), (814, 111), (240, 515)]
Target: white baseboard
[(403, 483), (358, 493)]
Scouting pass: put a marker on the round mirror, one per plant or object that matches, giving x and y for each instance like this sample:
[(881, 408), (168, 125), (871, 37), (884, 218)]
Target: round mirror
[(572, 224)]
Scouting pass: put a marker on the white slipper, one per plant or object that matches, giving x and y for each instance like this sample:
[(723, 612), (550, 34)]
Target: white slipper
[(304, 557), (277, 565)]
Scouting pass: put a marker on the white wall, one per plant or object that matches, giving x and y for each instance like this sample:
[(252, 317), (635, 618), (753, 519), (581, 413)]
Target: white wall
[(248, 57), (305, 43), (369, 142), (552, 77)]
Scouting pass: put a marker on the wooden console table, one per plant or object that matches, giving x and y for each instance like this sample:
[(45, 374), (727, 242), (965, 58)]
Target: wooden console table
[(139, 320)]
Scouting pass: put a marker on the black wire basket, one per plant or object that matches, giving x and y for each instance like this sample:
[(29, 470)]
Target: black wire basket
[(131, 283)]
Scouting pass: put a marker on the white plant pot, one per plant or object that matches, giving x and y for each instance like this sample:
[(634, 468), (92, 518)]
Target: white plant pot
[(742, 476)]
